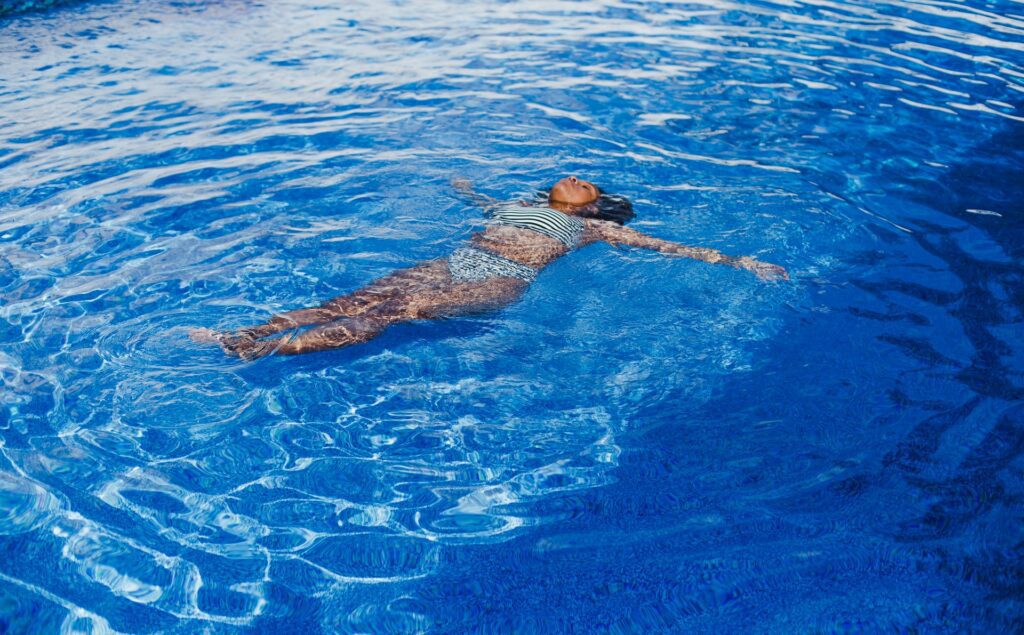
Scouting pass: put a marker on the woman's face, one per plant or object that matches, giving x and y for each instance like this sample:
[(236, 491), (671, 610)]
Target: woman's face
[(573, 191)]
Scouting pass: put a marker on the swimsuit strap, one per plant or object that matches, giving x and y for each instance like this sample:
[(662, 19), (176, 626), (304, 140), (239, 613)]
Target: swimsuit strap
[(562, 227)]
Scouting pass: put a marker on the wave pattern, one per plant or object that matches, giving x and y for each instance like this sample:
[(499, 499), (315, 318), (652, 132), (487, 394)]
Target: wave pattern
[(689, 448)]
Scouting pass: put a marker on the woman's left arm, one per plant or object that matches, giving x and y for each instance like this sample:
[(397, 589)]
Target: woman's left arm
[(615, 234)]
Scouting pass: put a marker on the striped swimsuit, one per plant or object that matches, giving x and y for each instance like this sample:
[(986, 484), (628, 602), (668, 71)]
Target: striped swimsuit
[(544, 220), (472, 264)]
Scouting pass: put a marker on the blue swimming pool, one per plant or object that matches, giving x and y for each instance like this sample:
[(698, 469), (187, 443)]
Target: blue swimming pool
[(641, 444)]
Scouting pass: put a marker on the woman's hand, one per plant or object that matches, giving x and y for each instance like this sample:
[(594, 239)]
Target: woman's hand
[(763, 270)]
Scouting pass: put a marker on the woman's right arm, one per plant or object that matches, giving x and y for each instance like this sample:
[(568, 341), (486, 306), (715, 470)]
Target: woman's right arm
[(465, 188)]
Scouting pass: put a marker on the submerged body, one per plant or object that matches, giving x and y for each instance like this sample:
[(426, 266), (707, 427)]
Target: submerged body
[(492, 271)]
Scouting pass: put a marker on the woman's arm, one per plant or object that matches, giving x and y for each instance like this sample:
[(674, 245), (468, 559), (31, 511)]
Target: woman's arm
[(465, 188), (615, 234)]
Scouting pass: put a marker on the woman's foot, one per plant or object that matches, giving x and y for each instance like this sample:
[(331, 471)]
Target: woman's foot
[(250, 349), (241, 345), (204, 336)]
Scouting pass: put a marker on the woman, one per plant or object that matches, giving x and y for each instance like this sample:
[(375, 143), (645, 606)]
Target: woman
[(492, 271)]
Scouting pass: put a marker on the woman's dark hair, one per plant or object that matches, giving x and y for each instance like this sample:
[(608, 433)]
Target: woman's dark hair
[(610, 207)]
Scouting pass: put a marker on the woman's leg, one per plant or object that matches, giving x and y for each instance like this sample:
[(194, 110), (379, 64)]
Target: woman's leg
[(451, 300), (343, 332), (426, 275)]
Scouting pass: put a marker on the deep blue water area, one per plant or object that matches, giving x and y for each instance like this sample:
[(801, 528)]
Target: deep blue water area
[(641, 444)]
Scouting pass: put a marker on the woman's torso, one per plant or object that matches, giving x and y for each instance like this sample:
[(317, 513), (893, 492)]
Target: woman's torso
[(528, 245)]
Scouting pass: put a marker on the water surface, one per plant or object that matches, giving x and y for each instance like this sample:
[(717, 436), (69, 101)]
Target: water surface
[(641, 444)]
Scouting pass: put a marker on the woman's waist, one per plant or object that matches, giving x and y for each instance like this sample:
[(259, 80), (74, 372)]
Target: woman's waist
[(472, 264), (536, 258)]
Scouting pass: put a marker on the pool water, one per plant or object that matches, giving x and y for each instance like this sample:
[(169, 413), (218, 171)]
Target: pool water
[(641, 444)]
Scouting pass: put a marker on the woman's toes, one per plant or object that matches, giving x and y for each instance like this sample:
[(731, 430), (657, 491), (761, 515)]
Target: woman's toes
[(203, 336)]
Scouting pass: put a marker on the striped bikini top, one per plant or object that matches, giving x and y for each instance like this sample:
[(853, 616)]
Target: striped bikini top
[(562, 227)]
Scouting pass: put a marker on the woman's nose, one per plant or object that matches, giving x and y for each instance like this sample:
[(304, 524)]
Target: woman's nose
[(573, 180)]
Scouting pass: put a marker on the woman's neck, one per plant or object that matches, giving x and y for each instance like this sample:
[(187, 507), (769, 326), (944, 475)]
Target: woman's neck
[(565, 208)]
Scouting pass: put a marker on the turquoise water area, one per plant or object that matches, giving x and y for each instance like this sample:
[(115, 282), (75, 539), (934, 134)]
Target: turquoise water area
[(641, 444)]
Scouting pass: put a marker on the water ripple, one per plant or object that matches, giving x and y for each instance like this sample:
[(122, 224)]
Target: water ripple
[(287, 153)]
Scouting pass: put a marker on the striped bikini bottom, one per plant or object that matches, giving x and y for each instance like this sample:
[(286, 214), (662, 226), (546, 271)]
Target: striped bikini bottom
[(469, 264)]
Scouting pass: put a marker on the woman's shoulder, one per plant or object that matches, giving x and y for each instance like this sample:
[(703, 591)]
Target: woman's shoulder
[(514, 205), (509, 208), (522, 207)]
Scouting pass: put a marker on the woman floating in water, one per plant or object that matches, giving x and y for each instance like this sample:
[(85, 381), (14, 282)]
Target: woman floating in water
[(492, 271)]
